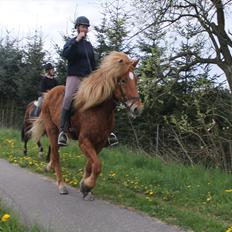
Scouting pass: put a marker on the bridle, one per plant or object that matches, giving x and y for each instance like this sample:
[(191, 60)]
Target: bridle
[(125, 99)]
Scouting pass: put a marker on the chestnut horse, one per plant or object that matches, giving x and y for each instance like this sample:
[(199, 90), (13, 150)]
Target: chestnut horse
[(29, 116), (93, 118)]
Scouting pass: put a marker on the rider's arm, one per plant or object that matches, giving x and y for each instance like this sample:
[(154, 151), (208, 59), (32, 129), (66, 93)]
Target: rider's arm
[(70, 49)]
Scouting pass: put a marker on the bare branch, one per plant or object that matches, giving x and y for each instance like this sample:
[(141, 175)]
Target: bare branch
[(220, 12), (198, 59), (183, 54)]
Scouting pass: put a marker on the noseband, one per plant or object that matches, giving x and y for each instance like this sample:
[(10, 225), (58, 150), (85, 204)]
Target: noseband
[(125, 99)]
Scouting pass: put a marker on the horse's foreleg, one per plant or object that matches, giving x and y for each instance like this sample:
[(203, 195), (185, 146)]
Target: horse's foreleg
[(93, 167), (88, 169), (40, 155), (55, 159)]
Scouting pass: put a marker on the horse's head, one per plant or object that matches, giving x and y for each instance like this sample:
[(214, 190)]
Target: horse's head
[(114, 78), (126, 90)]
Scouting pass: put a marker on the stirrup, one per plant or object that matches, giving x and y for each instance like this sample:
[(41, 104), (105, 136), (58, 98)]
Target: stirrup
[(62, 139), (112, 139)]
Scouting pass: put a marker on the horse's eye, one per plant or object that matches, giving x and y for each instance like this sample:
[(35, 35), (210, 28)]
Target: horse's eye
[(121, 81)]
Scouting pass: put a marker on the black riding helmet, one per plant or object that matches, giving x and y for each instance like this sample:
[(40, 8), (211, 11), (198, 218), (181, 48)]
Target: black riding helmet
[(82, 20), (48, 66)]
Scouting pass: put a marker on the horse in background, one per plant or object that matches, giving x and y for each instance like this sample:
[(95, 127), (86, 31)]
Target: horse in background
[(29, 117), (93, 114)]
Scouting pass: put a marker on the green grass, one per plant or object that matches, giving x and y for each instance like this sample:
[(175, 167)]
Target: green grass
[(12, 224), (189, 196)]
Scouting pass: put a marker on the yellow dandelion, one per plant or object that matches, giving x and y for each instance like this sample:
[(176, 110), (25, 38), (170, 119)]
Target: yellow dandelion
[(151, 193), (5, 217), (112, 174), (229, 229), (209, 198), (228, 190)]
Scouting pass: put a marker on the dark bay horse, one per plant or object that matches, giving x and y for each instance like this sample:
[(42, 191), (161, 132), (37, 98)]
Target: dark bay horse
[(25, 131), (93, 118)]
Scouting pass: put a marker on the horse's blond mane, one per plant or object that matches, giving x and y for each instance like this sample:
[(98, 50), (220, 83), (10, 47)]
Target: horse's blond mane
[(101, 83)]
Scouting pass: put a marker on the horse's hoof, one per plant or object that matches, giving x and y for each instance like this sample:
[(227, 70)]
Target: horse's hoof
[(63, 190), (85, 190), (89, 197), (47, 169)]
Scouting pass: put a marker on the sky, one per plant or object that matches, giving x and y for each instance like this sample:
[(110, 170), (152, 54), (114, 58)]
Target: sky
[(52, 18)]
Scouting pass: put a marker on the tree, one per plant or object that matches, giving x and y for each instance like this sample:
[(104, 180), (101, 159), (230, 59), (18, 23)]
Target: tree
[(112, 34), (11, 57), (11, 61), (208, 27), (34, 60), (102, 47), (60, 65)]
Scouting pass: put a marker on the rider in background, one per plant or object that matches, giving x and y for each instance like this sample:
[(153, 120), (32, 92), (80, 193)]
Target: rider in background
[(47, 82)]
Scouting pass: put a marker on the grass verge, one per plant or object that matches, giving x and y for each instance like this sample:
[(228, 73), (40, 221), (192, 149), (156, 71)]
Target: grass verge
[(10, 223), (189, 196)]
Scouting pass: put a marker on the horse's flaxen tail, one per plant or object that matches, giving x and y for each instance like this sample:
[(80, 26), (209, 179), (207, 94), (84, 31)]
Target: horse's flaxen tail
[(37, 129)]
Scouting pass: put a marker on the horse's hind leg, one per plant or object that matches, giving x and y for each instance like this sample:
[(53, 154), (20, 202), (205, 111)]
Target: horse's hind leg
[(40, 155)]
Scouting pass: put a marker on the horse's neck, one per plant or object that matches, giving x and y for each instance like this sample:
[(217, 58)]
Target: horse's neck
[(108, 106), (103, 113), (105, 109)]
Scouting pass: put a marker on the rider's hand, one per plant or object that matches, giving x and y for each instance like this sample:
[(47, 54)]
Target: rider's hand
[(80, 36)]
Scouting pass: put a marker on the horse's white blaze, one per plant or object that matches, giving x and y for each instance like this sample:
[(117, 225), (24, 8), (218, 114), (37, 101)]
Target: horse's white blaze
[(131, 75)]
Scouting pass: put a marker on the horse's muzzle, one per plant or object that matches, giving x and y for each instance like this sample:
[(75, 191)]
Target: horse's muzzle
[(135, 109)]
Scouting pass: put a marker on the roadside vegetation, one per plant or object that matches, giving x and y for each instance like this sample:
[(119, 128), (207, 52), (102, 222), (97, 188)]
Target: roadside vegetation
[(187, 113), (187, 119), (10, 223), (191, 197)]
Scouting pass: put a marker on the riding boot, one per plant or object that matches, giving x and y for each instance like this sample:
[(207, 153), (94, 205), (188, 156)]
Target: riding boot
[(63, 138), (38, 107)]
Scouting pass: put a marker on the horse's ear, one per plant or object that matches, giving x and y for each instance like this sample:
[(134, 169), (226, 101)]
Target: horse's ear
[(135, 62)]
